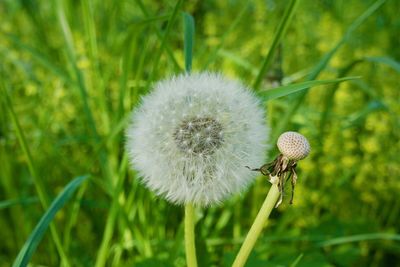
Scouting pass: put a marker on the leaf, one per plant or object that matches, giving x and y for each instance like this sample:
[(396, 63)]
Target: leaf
[(40, 58), (297, 260), (188, 36), (147, 16), (40, 188), (144, 21), (164, 40), (72, 58), (358, 238), (283, 25), (321, 65), (36, 236), (356, 23), (226, 33), (385, 60), (359, 116), (21, 201), (293, 88)]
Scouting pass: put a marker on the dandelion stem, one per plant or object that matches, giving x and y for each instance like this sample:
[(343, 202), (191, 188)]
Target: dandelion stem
[(189, 236), (257, 226)]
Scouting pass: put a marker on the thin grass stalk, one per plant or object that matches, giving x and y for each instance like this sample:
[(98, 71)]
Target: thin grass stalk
[(40, 188), (11, 192), (226, 33), (284, 122), (28, 249), (126, 67), (164, 39), (158, 33), (102, 254), (297, 260), (330, 98), (67, 35), (73, 216), (40, 58), (287, 17), (96, 78), (103, 156)]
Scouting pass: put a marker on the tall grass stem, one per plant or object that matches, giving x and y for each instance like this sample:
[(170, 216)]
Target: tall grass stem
[(40, 188), (319, 67), (102, 254), (283, 25)]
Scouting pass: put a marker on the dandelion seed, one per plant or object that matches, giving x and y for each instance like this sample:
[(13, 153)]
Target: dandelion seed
[(214, 127)]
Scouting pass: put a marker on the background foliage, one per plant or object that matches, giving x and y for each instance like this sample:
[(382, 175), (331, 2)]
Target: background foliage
[(72, 70)]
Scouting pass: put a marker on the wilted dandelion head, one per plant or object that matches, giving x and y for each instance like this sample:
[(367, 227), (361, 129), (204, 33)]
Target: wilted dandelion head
[(192, 136), (293, 145)]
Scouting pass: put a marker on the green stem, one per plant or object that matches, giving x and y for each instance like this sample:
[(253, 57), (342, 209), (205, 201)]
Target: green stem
[(190, 246), (257, 226), (283, 25)]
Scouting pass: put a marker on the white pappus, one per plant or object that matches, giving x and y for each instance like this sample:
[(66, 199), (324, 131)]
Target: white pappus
[(192, 136)]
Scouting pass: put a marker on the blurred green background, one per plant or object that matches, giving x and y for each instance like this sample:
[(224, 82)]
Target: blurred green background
[(72, 70)]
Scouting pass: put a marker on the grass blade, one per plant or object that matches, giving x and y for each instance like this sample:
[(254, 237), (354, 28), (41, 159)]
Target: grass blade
[(82, 87), (36, 236), (70, 51), (188, 36), (321, 66), (165, 37), (158, 33), (287, 17), (235, 23), (329, 99), (358, 238), (73, 216), (385, 60), (143, 22), (40, 188), (356, 23), (40, 58), (4, 204), (103, 251), (360, 116), (297, 260), (293, 88)]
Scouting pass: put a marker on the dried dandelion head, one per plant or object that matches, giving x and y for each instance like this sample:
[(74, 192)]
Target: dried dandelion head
[(293, 147), (191, 136)]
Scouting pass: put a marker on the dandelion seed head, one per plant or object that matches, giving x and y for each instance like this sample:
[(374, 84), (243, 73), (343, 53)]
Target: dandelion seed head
[(293, 145), (196, 151)]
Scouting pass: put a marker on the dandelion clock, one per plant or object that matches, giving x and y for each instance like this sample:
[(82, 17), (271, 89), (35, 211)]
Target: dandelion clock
[(192, 136)]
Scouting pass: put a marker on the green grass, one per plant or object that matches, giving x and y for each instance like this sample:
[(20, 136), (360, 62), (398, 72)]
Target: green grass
[(72, 71), (34, 239), (283, 25)]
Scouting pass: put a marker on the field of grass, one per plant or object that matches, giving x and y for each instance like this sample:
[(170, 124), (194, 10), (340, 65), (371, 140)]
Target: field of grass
[(71, 72)]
